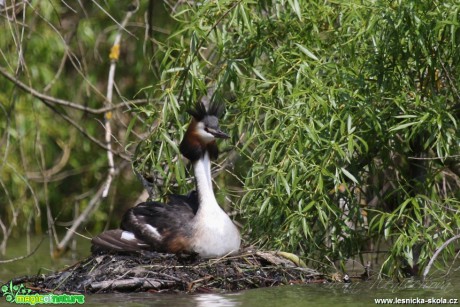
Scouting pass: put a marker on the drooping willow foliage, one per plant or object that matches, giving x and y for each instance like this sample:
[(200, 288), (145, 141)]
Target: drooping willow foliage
[(344, 115)]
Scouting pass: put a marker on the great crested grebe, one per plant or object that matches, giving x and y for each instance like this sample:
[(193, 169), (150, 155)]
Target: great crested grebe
[(192, 223)]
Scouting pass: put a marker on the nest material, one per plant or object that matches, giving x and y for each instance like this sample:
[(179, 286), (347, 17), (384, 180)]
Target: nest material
[(170, 273)]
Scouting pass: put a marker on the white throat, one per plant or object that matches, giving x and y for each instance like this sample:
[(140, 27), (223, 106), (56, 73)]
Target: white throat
[(215, 235), (202, 169)]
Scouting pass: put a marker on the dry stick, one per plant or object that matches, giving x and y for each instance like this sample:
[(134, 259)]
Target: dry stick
[(114, 56), (436, 254)]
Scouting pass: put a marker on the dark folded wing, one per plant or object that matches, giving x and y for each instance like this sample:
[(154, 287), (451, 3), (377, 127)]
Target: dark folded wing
[(153, 226), (164, 227), (117, 240)]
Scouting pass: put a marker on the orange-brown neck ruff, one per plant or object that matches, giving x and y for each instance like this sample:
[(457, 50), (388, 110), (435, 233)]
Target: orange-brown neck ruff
[(194, 148)]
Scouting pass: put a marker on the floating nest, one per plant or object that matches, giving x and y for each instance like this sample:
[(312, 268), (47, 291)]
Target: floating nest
[(158, 272)]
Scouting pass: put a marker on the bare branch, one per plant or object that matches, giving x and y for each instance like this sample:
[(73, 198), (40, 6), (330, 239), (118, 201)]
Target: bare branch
[(23, 257), (114, 56), (434, 158), (122, 26), (67, 103), (436, 254), (83, 131), (46, 174), (93, 205)]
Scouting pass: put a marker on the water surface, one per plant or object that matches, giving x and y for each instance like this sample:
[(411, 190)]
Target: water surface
[(355, 294)]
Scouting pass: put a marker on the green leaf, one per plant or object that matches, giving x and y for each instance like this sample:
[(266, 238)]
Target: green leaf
[(349, 175), (307, 52), (403, 126), (296, 8), (286, 185)]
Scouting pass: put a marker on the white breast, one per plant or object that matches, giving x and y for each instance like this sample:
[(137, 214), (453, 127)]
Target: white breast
[(215, 235)]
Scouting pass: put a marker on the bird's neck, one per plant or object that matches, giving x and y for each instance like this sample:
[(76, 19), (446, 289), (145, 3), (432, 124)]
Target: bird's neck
[(202, 168)]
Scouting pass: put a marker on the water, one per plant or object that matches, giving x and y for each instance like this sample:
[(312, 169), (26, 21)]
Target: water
[(336, 294), (356, 294), (40, 261)]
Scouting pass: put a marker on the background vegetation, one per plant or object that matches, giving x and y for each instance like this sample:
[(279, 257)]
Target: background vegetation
[(343, 116)]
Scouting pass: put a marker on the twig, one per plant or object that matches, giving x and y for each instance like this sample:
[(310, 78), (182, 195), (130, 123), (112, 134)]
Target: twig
[(83, 131), (93, 204), (81, 235), (124, 284), (434, 158), (67, 103), (14, 210), (48, 173), (122, 26), (49, 216), (26, 256), (452, 263), (436, 254), (58, 73)]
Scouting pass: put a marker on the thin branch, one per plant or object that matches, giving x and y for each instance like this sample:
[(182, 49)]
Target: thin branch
[(83, 131), (5, 140), (93, 204), (5, 237), (47, 174), (81, 235), (24, 257), (434, 158), (49, 215), (58, 73), (26, 182), (72, 57), (122, 26), (69, 7), (66, 103), (436, 254)]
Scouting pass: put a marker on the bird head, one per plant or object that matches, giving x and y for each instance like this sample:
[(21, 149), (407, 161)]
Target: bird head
[(203, 131)]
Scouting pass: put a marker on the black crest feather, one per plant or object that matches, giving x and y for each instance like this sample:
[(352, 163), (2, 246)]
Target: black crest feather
[(199, 111)]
